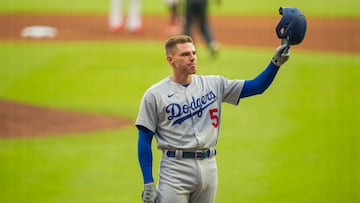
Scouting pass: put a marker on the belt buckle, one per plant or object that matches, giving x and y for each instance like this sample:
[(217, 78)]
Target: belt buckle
[(200, 154)]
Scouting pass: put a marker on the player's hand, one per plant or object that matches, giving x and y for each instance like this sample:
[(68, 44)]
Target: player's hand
[(282, 54), (149, 195)]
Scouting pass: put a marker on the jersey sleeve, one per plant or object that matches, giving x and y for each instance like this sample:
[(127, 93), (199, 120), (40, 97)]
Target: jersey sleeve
[(147, 112), (231, 90)]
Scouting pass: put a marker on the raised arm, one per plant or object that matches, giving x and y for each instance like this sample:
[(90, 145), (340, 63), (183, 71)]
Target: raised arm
[(261, 82)]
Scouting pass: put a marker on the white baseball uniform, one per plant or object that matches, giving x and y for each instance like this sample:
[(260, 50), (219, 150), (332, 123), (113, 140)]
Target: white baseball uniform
[(186, 119), (116, 16), (171, 2)]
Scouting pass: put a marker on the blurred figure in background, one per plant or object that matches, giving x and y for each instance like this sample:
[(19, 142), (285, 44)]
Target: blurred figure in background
[(196, 11), (116, 17), (175, 24)]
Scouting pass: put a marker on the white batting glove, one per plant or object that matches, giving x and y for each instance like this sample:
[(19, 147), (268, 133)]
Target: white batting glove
[(149, 195), (281, 55)]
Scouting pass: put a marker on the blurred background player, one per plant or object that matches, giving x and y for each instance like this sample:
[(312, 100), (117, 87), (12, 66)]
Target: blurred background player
[(116, 17), (196, 11), (175, 24)]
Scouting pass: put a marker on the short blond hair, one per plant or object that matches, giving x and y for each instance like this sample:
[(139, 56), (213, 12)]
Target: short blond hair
[(171, 43)]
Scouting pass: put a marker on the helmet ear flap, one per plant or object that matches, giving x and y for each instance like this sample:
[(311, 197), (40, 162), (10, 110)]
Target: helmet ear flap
[(292, 25), (282, 30)]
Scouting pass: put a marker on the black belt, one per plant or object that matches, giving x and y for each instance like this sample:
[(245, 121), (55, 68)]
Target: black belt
[(201, 154)]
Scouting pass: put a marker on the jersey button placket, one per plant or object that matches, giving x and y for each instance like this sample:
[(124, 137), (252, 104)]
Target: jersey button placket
[(188, 96)]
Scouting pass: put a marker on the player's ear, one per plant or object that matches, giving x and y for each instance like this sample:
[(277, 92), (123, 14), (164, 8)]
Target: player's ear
[(169, 58)]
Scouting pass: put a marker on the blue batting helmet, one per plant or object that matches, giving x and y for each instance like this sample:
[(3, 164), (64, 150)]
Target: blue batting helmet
[(292, 26)]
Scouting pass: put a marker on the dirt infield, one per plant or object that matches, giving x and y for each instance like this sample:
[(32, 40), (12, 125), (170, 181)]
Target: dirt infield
[(18, 119), (323, 34)]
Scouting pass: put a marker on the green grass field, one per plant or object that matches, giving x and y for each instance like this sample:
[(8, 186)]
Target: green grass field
[(344, 8), (298, 142)]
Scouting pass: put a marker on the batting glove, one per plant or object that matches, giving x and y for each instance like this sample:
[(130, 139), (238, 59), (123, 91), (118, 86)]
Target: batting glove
[(282, 54), (149, 195)]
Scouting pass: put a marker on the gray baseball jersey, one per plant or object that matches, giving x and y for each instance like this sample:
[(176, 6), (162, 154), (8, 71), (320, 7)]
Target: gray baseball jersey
[(187, 117)]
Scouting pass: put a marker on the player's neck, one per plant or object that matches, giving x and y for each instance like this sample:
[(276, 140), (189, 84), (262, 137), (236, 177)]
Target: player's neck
[(182, 80)]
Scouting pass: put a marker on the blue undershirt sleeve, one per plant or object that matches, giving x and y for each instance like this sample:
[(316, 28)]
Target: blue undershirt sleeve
[(259, 84), (145, 154)]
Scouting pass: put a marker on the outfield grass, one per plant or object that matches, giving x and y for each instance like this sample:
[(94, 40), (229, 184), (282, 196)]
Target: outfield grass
[(298, 142), (70, 74), (335, 8)]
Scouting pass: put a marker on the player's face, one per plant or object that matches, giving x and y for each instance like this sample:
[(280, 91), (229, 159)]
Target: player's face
[(184, 59)]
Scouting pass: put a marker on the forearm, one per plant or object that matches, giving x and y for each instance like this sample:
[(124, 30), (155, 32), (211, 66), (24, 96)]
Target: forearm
[(261, 82), (145, 154)]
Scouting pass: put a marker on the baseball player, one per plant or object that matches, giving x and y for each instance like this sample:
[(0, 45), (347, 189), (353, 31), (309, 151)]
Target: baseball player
[(174, 26), (133, 22), (196, 12), (183, 111)]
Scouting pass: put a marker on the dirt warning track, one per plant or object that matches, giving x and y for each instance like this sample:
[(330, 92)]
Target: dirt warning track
[(323, 34)]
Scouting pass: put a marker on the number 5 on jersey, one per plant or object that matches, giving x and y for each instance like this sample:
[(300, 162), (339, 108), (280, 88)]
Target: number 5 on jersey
[(214, 117)]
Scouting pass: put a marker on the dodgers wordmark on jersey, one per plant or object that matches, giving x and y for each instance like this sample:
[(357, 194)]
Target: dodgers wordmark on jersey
[(178, 114)]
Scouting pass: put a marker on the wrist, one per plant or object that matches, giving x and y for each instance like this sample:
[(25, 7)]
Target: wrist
[(275, 62), (149, 183)]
